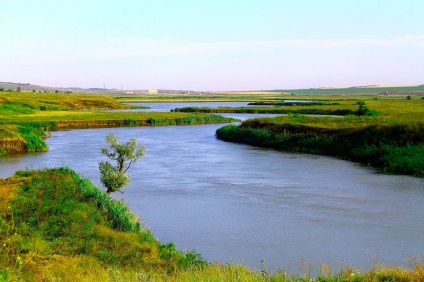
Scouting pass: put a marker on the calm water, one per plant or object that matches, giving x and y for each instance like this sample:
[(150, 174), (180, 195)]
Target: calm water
[(166, 107), (233, 202)]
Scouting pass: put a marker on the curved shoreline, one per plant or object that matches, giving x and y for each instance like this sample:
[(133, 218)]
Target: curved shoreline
[(19, 144)]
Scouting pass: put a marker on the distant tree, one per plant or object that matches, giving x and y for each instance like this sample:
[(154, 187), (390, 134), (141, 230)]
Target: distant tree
[(18, 89), (408, 97), (115, 177), (33, 90), (56, 91), (362, 109), (1, 89)]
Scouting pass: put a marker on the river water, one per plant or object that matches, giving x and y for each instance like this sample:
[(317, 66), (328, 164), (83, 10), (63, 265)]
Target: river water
[(237, 203)]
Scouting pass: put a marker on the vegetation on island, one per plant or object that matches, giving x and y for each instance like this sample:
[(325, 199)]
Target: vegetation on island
[(284, 107)]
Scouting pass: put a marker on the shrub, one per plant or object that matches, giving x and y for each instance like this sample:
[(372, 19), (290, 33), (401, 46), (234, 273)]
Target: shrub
[(34, 138)]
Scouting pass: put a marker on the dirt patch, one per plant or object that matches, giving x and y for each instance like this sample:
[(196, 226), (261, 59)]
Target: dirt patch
[(6, 189), (13, 146)]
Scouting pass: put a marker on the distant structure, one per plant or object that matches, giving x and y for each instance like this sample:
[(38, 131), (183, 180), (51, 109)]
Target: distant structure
[(153, 91)]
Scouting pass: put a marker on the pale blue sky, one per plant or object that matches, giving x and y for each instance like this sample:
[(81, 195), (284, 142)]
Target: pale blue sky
[(212, 45)]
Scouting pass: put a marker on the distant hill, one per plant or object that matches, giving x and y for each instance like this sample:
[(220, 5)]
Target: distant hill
[(12, 86), (364, 90), (27, 87)]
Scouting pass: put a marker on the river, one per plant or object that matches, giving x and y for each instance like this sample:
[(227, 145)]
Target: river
[(236, 203)]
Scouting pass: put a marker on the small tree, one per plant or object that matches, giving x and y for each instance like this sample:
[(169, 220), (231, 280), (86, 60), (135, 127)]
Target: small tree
[(115, 177), (362, 109)]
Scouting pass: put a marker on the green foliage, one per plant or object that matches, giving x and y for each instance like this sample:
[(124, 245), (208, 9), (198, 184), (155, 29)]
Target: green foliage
[(291, 103), (408, 159), (111, 178), (355, 91), (33, 137), (57, 201), (275, 110), (129, 122), (190, 119), (363, 110), (16, 108), (114, 178)]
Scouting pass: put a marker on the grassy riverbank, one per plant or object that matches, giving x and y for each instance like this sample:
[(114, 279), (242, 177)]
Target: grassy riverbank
[(24, 117), (56, 226), (392, 140)]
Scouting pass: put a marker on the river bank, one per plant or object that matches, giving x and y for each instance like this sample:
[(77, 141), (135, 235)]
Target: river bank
[(72, 230), (24, 118), (393, 148)]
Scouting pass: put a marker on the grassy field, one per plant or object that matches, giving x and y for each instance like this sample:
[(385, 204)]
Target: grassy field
[(391, 137), (266, 95), (56, 226), (24, 117)]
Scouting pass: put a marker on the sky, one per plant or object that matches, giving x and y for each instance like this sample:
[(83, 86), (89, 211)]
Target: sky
[(210, 45)]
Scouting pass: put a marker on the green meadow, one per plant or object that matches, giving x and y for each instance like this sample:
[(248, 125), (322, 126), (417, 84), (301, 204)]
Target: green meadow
[(25, 117)]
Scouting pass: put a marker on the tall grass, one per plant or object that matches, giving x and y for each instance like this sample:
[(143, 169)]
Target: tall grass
[(58, 213), (276, 110), (393, 148)]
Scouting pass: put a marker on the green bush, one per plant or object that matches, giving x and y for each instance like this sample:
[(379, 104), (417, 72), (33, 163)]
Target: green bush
[(2, 151), (34, 138)]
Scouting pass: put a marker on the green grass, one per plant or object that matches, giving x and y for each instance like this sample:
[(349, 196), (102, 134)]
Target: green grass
[(58, 213), (372, 91), (25, 116), (275, 110), (54, 102), (393, 147)]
